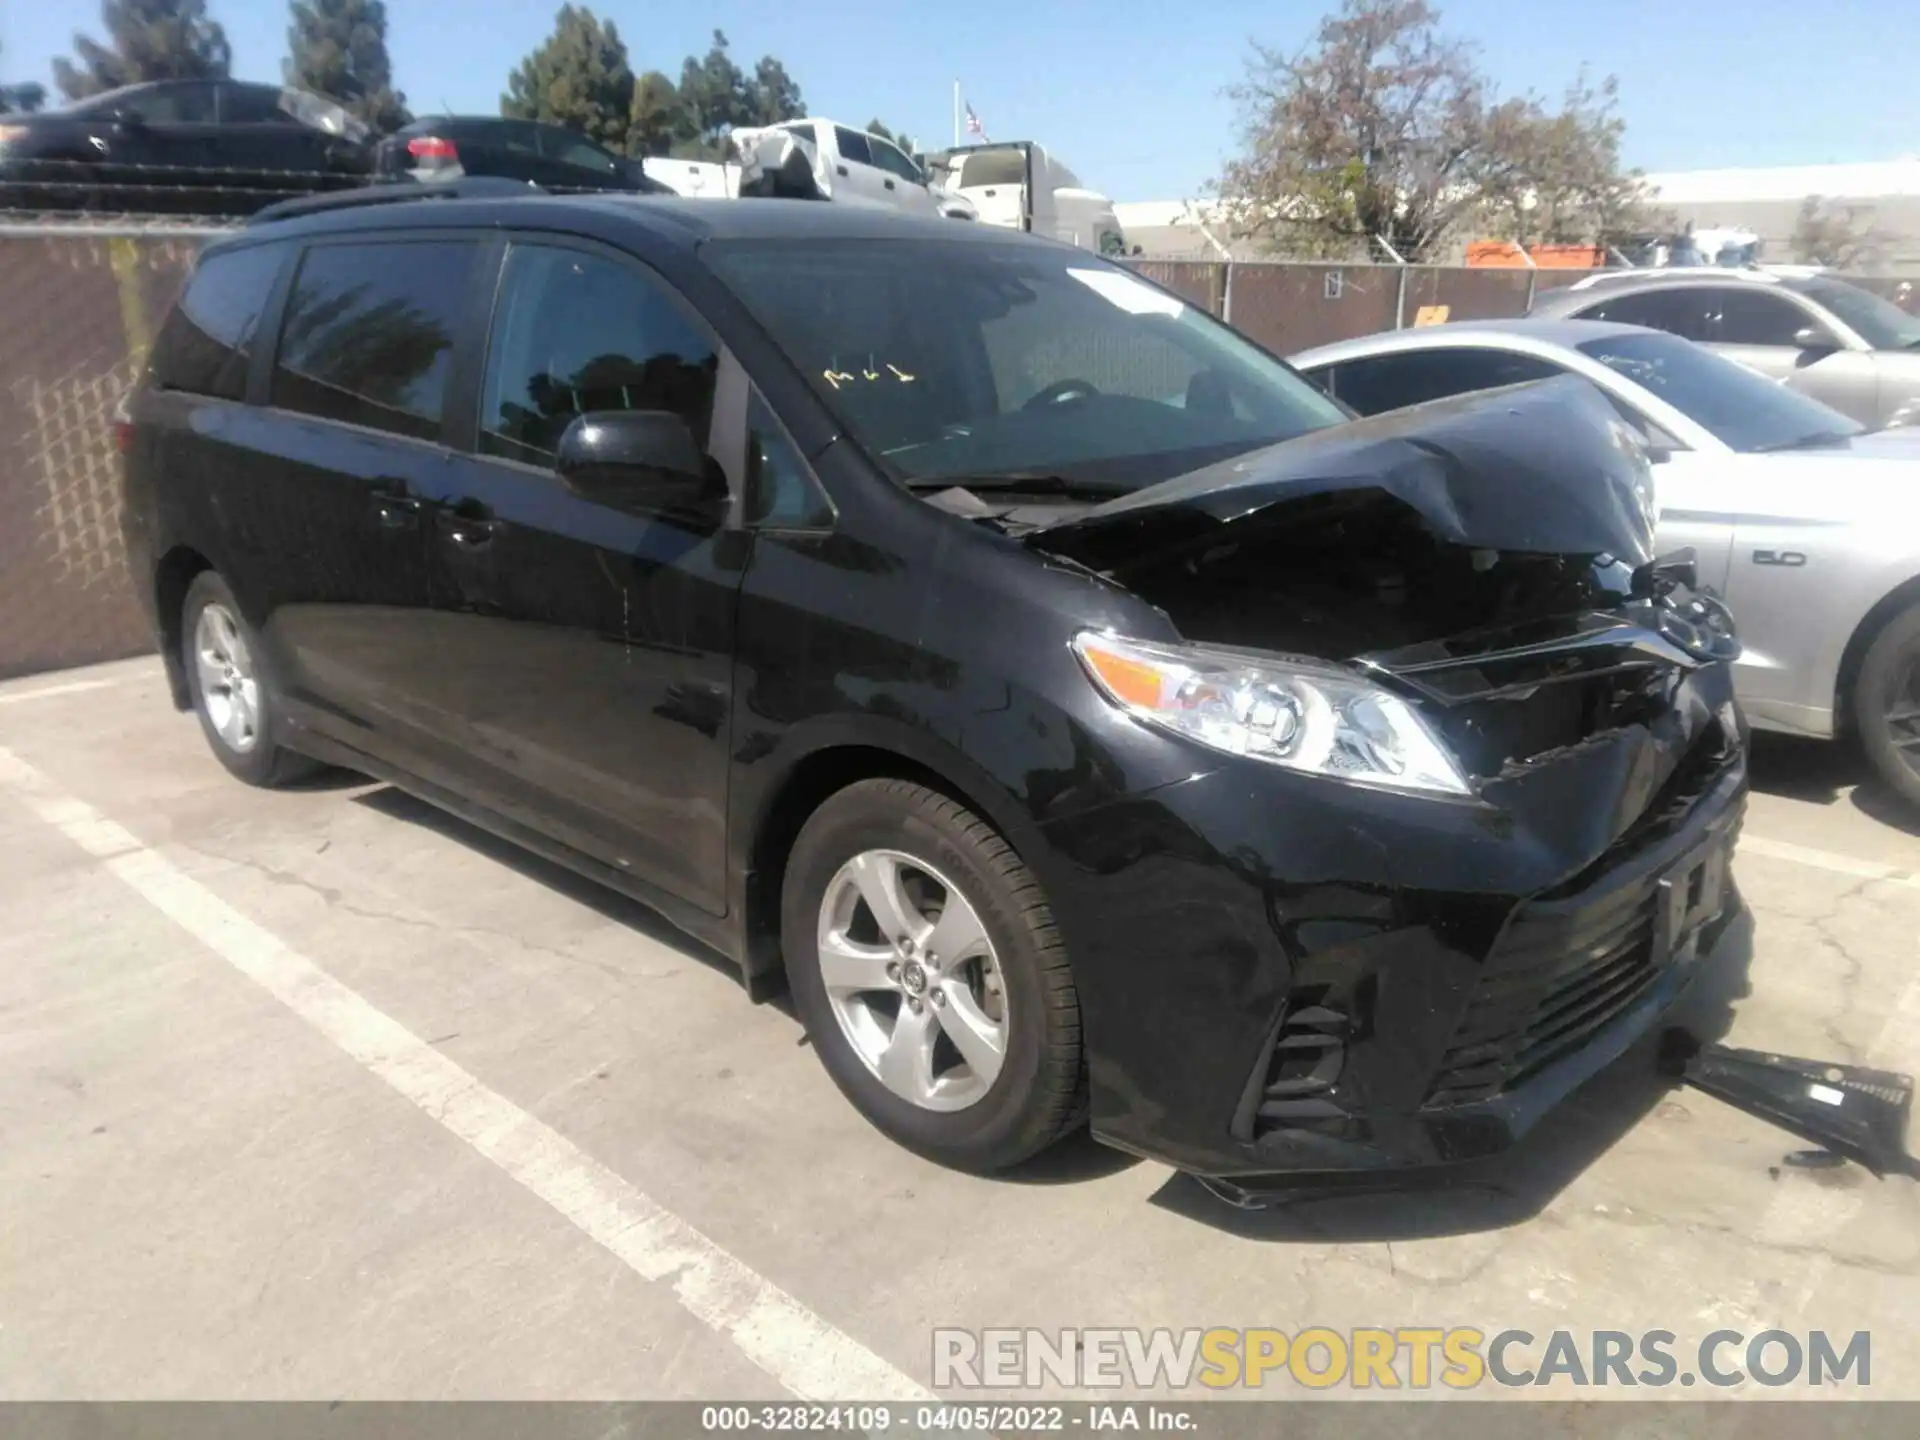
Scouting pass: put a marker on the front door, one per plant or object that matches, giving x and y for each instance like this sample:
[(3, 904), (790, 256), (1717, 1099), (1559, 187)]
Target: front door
[(1757, 327), (585, 651)]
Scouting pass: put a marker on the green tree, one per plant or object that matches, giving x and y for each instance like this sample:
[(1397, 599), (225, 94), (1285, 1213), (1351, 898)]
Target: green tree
[(26, 96), (714, 97), (338, 48), (772, 94), (578, 77), (656, 113), (146, 40), (898, 137)]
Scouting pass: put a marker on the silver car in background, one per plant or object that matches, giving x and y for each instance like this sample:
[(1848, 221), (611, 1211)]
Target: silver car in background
[(1807, 525), (1808, 329)]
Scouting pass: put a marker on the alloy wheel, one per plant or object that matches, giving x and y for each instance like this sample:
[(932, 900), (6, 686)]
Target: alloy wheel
[(1903, 716), (229, 688), (913, 980)]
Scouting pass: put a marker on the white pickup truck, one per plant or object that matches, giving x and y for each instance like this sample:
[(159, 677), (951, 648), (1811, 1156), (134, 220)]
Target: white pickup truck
[(1021, 186), (814, 159)]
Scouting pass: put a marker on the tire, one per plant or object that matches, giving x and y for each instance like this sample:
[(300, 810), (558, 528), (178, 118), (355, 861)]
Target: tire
[(1886, 705), (233, 696), (1008, 972)]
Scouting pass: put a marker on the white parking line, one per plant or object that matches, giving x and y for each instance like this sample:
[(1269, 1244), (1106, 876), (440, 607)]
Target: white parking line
[(47, 692), (809, 1356), (1827, 860)]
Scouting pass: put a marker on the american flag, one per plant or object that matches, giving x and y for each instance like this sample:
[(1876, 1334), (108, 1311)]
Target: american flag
[(974, 127)]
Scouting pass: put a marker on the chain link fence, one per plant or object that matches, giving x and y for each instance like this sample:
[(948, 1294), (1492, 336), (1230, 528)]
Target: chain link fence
[(81, 299), (78, 308)]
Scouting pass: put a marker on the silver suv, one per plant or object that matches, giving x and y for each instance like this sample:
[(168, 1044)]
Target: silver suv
[(1809, 329)]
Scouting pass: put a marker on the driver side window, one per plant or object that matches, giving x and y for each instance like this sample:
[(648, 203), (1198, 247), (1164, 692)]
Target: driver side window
[(1413, 377), (890, 159), (575, 333)]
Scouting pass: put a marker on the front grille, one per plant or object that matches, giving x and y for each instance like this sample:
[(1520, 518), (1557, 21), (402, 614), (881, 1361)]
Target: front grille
[(1560, 973)]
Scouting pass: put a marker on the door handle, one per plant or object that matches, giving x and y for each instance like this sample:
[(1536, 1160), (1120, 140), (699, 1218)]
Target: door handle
[(467, 523), (840, 170), (395, 509), (889, 184)]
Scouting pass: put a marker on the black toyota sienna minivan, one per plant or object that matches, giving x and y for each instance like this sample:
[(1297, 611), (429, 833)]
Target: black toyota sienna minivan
[(1079, 712)]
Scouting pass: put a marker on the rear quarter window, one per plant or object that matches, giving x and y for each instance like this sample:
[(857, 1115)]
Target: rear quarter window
[(207, 343)]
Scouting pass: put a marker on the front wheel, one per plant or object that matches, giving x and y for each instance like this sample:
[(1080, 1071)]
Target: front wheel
[(1886, 705), (926, 967)]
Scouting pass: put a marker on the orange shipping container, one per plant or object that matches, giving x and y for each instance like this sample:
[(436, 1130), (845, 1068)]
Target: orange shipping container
[(1506, 254)]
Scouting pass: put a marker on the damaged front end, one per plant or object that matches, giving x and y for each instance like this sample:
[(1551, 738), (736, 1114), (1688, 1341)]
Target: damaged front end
[(1487, 561), (1526, 767)]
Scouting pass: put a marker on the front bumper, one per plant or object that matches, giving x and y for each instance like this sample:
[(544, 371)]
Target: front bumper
[(1288, 978)]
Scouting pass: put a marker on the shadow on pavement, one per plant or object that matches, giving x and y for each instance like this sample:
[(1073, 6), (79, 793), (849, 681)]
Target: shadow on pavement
[(1480, 1196), (1506, 1189), (1826, 772), (620, 909)]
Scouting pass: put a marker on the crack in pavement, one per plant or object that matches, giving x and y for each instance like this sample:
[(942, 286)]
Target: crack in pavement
[(1849, 988), (335, 899)]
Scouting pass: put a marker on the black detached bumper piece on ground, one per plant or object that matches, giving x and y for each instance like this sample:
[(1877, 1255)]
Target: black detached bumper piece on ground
[(1846, 1110)]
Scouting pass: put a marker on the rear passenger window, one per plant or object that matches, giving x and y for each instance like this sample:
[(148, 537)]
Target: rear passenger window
[(1679, 310), (1413, 377), (207, 343), (574, 334), (368, 334)]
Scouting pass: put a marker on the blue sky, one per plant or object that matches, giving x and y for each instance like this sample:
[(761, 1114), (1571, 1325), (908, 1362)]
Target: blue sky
[(1128, 92)]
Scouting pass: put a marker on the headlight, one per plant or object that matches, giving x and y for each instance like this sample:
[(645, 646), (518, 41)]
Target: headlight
[(1317, 720)]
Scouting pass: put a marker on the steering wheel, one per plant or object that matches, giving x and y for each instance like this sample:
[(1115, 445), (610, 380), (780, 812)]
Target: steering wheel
[(1062, 392)]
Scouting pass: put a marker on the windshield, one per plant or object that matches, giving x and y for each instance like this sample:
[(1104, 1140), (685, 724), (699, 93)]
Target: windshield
[(1743, 409), (952, 360), (1881, 323)]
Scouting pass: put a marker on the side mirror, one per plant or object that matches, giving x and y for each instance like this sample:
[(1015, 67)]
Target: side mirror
[(1812, 337), (645, 460)]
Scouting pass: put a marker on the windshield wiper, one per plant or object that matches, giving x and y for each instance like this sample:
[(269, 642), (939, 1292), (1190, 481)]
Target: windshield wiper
[(1817, 440), (1020, 482)]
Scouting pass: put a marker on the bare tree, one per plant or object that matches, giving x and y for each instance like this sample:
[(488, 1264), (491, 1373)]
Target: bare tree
[(1841, 237), (1383, 135), (1365, 136), (1555, 176)]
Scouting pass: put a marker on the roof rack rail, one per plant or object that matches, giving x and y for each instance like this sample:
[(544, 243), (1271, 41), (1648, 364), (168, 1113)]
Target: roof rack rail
[(474, 187)]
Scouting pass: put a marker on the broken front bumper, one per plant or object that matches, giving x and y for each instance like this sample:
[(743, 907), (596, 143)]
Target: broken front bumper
[(1297, 977)]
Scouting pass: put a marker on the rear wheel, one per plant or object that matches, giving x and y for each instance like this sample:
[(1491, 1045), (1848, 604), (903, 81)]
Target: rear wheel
[(1886, 705), (238, 708), (925, 964)]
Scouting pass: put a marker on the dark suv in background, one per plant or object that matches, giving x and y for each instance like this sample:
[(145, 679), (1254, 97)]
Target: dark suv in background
[(1083, 715), (450, 147), (181, 147)]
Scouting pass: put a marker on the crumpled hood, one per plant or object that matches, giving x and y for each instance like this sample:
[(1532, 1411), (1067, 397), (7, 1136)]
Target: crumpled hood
[(1545, 468)]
